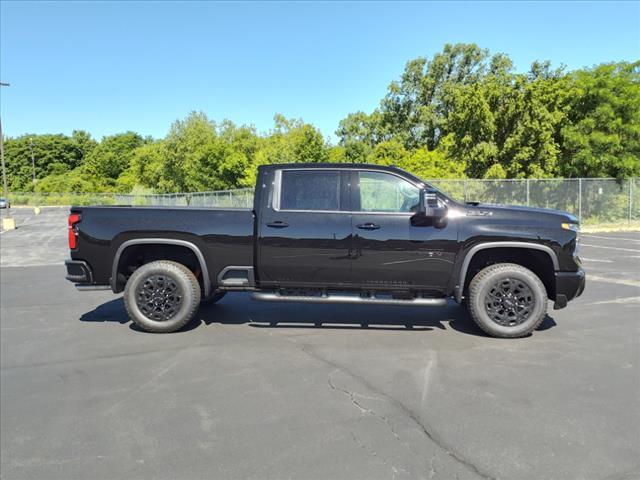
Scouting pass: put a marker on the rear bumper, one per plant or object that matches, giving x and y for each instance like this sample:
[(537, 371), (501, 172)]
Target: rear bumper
[(78, 271), (569, 285)]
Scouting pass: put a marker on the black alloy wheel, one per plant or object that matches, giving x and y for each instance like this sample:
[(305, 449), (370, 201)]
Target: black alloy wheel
[(509, 302), (158, 297), (162, 296)]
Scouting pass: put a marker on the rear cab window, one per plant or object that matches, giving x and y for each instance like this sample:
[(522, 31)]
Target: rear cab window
[(310, 190)]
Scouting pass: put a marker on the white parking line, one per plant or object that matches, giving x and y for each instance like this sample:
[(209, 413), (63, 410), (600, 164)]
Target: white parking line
[(612, 248), (616, 300), (595, 260), (611, 238), (20, 265), (619, 281)]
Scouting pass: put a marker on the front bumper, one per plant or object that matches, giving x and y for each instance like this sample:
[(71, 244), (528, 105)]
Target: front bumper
[(569, 285)]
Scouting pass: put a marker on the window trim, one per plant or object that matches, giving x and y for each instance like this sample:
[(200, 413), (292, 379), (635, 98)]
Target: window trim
[(353, 190)]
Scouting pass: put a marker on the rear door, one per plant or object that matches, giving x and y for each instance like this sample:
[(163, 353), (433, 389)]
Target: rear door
[(304, 236), (389, 252)]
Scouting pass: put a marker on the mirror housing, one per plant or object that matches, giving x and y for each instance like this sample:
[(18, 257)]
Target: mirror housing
[(430, 211)]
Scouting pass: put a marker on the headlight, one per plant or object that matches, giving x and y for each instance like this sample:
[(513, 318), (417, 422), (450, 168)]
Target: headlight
[(576, 228), (571, 226)]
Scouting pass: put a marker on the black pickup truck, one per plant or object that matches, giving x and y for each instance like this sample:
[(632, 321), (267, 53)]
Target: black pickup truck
[(332, 233)]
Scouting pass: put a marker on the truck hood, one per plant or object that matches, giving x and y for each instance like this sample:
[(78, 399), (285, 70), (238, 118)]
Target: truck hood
[(521, 213)]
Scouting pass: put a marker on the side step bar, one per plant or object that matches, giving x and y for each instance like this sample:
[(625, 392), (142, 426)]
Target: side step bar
[(84, 288), (326, 298)]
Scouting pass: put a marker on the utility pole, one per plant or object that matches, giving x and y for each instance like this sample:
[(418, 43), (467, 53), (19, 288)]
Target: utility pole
[(8, 223), (33, 161)]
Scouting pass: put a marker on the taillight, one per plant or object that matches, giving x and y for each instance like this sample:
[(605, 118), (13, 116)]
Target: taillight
[(73, 237)]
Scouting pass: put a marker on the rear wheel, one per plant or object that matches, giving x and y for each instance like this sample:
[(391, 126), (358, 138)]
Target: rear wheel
[(507, 300), (162, 296)]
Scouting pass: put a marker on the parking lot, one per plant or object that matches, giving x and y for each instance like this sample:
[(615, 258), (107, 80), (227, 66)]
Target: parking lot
[(255, 390)]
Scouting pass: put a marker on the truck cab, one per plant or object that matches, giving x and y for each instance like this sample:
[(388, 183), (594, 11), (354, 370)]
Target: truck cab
[(353, 228)]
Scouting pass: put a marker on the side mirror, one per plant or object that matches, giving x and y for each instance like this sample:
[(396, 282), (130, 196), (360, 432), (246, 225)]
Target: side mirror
[(430, 212)]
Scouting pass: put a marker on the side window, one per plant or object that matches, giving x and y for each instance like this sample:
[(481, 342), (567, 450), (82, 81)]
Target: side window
[(383, 192), (310, 190)]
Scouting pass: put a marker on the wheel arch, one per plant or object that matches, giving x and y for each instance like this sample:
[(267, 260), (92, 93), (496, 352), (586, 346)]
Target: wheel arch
[(502, 247), (116, 267)]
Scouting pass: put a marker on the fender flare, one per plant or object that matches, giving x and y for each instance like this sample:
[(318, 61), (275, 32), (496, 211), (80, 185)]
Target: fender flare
[(458, 290), (161, 241)]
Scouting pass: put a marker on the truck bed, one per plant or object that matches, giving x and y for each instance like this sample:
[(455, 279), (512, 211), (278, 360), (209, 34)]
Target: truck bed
[(224, 236)]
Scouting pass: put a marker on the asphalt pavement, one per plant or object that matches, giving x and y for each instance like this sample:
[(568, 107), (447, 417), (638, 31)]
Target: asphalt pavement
[(256, 391)]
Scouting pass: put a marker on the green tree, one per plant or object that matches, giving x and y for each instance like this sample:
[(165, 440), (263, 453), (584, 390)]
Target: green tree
[(295, 141), (201, 155), (416, 108), (75, 181), (602, 135), (434, 164), (84, 141), (186, 149), (145, 168), (510, 120), (52, 154), (391, 152), (290, 141), (359, 133), (112, 156)]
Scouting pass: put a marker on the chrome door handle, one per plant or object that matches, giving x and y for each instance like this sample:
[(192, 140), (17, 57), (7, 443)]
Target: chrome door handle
[(277, 224), (368, 226)]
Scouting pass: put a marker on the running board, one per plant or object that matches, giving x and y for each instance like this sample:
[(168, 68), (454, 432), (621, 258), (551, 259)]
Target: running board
[(84, 288), (278, 297)]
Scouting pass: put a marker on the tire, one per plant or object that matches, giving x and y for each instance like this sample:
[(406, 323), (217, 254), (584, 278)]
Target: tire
[(162, 296), (507, 300), (213, 298)]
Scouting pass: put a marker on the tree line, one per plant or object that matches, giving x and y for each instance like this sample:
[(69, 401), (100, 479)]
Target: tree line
[(464, 113)]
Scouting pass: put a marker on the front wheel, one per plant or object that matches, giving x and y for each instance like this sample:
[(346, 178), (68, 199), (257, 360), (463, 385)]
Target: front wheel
[(507, 300), (162, 296)]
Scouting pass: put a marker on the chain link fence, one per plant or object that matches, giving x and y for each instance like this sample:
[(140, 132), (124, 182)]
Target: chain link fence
[(592, 200), (238, 198)]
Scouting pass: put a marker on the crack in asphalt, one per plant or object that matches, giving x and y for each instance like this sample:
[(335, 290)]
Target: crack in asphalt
[(363, 409), (373, 453), (432, 468), (413, 416)]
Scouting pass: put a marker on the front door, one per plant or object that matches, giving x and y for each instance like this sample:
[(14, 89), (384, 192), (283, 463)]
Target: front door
[(389, 252), (305, 230)]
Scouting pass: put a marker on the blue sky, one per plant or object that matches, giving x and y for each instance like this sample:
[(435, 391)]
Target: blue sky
[(116, 66)]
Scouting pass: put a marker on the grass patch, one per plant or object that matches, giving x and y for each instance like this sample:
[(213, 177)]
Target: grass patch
[(632, 226)]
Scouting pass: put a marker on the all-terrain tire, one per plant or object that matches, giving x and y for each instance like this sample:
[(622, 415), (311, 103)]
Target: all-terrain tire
[(212, 298), (496, 298), (162, 296)]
